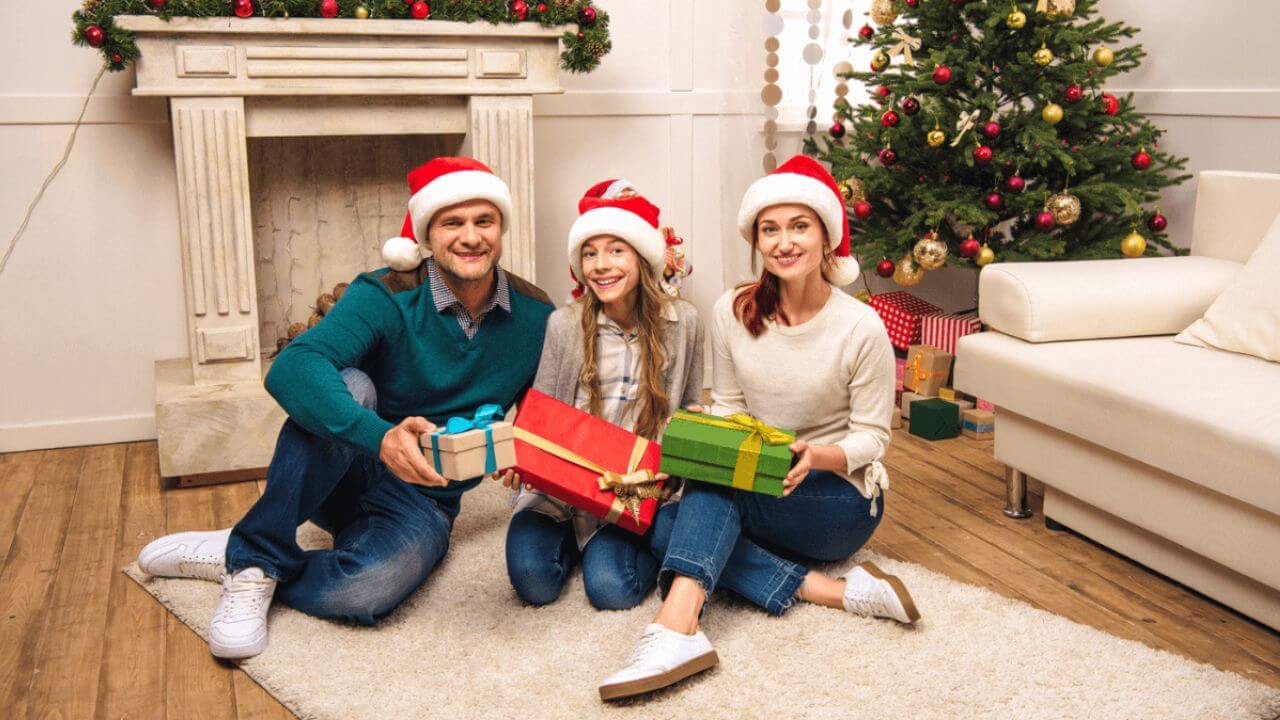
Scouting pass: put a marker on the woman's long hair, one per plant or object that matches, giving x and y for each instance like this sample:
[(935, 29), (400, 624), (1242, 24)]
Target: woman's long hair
[(653, 358), (756, 302)]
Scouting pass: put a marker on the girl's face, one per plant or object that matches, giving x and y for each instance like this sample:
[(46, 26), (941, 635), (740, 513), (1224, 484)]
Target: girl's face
[(791, 240), (611, 267)]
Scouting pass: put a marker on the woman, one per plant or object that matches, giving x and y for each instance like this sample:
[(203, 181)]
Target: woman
[(623, 351), (796, 353)]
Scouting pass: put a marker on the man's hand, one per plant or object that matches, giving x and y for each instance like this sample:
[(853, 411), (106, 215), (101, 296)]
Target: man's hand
[(402, 452)]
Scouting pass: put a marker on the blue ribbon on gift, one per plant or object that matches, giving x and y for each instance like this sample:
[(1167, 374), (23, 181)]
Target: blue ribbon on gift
[(485, 416)]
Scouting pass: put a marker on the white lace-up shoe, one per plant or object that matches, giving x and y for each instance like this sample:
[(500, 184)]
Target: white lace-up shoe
[(201, 555), (661, 658), (239, 626), (870, 591)]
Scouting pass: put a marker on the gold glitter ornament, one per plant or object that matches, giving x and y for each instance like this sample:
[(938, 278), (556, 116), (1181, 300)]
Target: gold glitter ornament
[(908, 273), (1043, 56), (879, 61), (1103, 56), (1016, 19), (361, 12), (985, 256), (1133, 245), (854, 189), (930, 252), (1052, 113), (936, 138), (1057, 9), (1064, 206), (883, 12)]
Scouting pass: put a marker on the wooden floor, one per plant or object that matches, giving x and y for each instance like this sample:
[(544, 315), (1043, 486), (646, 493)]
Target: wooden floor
[(78, 639)]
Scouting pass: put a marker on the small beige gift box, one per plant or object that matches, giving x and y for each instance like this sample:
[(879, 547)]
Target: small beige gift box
[(465, 455)]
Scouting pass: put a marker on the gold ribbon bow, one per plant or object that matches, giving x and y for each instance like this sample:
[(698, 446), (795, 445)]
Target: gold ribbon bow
[(964, 125), (758, 435), (1042, 5), (905, 45), (630, 488), (918, 373)]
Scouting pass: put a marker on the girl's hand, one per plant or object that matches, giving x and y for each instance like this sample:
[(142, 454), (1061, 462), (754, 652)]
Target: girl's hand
[(695, 408), (661, 477), (511, 479), (804, 463)]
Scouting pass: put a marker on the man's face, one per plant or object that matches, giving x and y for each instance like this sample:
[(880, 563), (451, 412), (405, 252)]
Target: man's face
[(466, 239)]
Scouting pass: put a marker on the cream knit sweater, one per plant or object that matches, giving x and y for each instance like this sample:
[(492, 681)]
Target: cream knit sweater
[(830, 379)]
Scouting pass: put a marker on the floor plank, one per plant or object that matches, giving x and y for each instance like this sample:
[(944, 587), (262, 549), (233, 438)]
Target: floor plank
[(17, 475)]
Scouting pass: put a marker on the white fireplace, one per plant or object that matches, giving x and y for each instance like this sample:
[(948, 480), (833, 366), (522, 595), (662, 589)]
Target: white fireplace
[(310, 92)]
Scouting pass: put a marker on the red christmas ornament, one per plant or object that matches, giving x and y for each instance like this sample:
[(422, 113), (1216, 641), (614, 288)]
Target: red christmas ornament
[(942, 74), (837, 130), (887, 157), (910, 105), (420, 10), (865, 32), (982, 154), (542, 7), (115, 58), (882, 91), (158, 4), (969, 247), (1045, 221), (1015, 184), (242, 8), (1141, 160), (862, 209), (994, 201), (328, 8), (885, 268), (520, 9), (1073, 94), (889, 119), (913, 3), (587, 15), (94, 36), (1158, 223), (991, 129), (1110, 105)]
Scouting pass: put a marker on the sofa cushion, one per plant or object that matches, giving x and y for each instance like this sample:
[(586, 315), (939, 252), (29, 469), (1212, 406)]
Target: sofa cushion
[(1207, 416)]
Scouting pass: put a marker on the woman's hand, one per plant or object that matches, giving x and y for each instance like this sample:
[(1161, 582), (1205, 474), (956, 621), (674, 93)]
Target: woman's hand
[(804, 463), (695, 408), (401, 451), (511, 479)]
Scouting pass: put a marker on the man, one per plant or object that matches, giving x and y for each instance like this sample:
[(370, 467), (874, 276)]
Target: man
[(406, 348)]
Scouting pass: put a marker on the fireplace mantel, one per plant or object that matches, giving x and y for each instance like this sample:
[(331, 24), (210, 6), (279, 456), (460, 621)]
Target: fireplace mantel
[(228, 79)]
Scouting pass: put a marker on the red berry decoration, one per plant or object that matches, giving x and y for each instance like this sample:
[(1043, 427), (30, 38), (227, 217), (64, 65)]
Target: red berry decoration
[(862, 209), (420, 10), (942, 74), (885, 268), (1141, 160), (982, 154), (969, 247), (910, 105), (889, 119), (1110, 105), (1015, 184), (1073, 94), (991, 129), (157, 4), (913, 3), (242, 8), (837, 130), (542, 7), (587, 15), (866, 32), (1158, 223), (994, 201), (328, 8), (520, 9), (1045, 221), (887, 157), (883, 91), (115, 58), (94, 36)]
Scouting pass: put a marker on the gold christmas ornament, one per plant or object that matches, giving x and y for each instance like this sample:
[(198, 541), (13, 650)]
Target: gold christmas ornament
[(985, 256), (936, 138), (1103, 56), (1133, 245), (930, 252), (1043, 56), (1016, 19), (1057, 9), (853, 186), (908, 273), (879, 61), (1064, 206), (1052, 113), (361, 12), (883, 12)]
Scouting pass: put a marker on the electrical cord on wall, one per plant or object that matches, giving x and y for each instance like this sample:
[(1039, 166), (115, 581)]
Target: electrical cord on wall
[(71, 141)]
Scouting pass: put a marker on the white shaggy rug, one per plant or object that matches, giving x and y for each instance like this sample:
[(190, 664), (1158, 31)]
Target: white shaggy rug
[(465, 647)]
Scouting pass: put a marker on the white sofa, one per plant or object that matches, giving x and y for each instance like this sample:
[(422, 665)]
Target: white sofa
[(1167, 453)]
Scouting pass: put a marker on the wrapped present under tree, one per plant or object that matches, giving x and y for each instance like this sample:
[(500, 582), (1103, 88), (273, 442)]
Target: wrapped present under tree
[(935, 419), (927, 369), (902, 314)]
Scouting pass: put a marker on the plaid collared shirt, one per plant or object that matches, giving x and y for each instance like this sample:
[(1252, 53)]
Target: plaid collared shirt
[(444, 299)]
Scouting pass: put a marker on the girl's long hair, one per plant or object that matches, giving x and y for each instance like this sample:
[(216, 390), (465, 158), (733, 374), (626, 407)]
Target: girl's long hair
[(653, 358), (756, 302)]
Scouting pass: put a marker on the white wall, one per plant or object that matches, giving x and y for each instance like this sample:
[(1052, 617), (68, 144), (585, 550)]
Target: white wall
[(92, 296)]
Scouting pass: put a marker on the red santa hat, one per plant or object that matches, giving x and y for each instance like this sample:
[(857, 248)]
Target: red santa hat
[(610, 189), (632, 219), (433, 186), (804, 181)]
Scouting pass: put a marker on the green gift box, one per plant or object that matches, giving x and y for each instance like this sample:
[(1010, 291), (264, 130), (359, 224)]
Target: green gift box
[(935, 419), (722, 450)]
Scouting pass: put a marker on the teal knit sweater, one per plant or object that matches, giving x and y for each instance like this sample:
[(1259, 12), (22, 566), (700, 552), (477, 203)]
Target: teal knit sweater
[(420, 360)]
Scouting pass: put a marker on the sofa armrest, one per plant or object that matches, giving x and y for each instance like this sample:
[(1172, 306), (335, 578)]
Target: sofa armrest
[(1091, 299)]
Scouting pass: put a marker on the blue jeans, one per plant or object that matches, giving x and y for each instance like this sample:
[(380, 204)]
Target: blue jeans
[(754, 544), (618, 569), (387, 535)]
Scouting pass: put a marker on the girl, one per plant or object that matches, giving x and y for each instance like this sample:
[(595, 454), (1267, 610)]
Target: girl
[(798, 354), (623, 351)]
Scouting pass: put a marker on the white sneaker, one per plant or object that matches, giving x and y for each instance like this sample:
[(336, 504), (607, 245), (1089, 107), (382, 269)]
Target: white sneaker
[(869, 591), (661, 658), (239, 626), (201, 555)]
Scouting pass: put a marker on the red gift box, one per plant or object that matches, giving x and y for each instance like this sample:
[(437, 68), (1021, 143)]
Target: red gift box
[(942, 331), (902, 314), (574, 457)]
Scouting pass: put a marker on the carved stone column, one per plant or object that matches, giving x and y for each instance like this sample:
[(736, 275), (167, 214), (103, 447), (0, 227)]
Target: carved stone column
[(501, 136)]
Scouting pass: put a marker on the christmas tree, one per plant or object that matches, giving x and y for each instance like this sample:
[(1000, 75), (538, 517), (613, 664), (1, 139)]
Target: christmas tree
[(989, 136)]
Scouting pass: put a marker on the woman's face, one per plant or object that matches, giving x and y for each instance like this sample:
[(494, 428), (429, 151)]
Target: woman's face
[(791, 239), (611, 267)]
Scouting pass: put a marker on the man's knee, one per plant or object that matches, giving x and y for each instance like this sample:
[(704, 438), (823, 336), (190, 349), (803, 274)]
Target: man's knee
[(361, 387), (371, 593)]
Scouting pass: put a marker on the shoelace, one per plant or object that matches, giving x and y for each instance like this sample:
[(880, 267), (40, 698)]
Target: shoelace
[(647, 641), (864, 603), (206, 565), (244, 595)]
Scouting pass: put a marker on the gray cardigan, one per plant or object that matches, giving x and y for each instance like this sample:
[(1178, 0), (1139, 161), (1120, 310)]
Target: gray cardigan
[(561, 364)]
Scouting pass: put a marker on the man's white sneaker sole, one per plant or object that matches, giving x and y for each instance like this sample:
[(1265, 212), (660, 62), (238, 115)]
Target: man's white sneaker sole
[(639, 686), (174, 556), (239, 650)]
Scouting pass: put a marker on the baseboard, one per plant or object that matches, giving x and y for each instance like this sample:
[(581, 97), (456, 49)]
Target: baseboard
[(73, 433)]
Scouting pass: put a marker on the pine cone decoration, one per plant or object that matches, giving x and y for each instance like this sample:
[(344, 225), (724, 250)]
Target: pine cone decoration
[(324, 303)]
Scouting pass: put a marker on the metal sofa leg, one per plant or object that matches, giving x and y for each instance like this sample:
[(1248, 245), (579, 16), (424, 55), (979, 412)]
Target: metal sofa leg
[(1016, 494)]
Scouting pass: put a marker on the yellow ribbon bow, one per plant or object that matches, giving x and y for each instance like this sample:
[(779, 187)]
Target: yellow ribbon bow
[(964, 125), (905, 45), (630, 488), (918, 373), (758, 435)]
